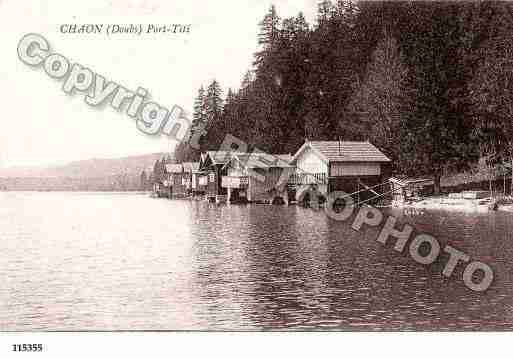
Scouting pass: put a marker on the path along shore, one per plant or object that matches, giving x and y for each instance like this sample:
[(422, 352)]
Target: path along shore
[(458, 203)]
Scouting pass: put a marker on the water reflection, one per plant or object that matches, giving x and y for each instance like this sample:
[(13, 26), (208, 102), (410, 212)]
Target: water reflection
[(112, 262)]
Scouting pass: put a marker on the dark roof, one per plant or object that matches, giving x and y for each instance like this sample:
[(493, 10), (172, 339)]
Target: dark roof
[(346, 151)]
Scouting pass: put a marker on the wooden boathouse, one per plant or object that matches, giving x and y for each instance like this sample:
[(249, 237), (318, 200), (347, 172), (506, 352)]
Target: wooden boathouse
[(212, 169), (189, 178), (174, 183), (340, 166), (199, 183), (257, 177)]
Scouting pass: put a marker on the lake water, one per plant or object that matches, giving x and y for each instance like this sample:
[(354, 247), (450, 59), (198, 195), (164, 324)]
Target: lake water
[(100, 261)]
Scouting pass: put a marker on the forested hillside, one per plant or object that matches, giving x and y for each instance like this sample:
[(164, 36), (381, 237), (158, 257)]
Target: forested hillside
[(430, 83)]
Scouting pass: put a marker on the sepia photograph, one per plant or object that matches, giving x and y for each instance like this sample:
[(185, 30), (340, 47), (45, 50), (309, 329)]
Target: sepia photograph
[(255, 166)]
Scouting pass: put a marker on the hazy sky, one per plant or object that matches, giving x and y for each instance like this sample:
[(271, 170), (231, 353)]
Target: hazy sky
[(42, 125)]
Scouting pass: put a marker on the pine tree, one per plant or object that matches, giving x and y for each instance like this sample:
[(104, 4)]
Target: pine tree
[(199, 114), (156, 171), (269, 28), (288, 31), (346, 10), (301, 23), (214, 113), (492, 86), (183, 150), (143, 181), (384, 100), (437, 133), (247, 80), (325, 10), (214, 102), (230, 96), (229, 113), (268, 35)]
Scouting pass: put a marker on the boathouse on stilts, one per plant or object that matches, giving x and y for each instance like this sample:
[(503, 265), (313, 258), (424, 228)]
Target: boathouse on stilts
[(189, 177), (257, 178), (212, 168), (175, 186), (356, 168)]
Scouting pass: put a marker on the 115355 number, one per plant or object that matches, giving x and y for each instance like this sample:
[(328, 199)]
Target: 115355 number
[(27, 347)]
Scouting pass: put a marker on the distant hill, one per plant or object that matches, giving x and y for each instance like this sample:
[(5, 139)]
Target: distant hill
[(118, 174), (93, 168)]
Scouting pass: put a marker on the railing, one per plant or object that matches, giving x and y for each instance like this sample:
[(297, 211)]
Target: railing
[(235, 182), (308, 178)]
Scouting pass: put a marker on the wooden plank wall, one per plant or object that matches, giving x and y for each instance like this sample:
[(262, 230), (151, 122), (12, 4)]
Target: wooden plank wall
[(355, 169), (310, 162), (260, 190)]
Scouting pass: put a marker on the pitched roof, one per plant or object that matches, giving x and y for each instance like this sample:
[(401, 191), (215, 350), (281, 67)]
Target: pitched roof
[(288, 158), (220, 157), (174, 168), (261, 160), (190, 166), (345, 151)]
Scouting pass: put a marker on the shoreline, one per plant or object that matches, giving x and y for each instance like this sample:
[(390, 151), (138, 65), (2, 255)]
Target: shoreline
[(446, 203)]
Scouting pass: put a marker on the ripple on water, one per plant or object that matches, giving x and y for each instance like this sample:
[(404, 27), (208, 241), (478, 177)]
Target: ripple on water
[(119, 262)]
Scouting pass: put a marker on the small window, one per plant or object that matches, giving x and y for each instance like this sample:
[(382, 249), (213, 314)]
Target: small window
[(212, 177)]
